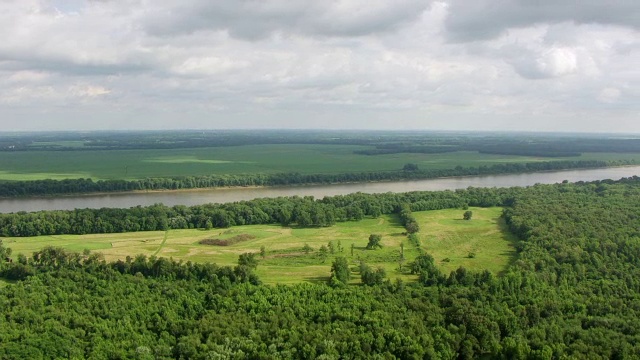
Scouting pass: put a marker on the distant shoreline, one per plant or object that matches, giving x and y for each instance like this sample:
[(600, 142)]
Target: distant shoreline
[(254, 187)]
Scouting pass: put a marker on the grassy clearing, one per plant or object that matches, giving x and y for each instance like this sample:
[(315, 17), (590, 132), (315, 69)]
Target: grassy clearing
[(137, 164), (443, 234)]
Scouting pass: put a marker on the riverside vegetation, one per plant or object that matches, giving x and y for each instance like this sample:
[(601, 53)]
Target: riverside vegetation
[(572, 290), (59, 163)]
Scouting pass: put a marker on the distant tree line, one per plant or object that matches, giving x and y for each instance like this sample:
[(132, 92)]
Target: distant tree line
[(549, 147), (79, 186)]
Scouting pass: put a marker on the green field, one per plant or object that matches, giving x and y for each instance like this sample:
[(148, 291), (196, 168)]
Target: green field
[(137, 164), (443, 235)]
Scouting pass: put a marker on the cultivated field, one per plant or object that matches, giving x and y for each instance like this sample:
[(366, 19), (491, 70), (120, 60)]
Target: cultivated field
[(443, 235), (137, 164)]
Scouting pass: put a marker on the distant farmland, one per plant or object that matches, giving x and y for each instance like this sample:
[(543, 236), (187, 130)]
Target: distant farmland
[(247, 159)]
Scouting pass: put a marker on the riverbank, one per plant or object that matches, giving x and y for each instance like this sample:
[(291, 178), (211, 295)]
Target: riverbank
[(55, 188), (191, 197)]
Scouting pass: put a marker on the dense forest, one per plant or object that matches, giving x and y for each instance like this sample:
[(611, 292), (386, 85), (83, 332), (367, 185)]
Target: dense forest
[(572, 292), (74, 186)]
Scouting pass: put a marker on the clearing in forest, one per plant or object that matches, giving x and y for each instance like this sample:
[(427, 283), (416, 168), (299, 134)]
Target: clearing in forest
[(293, 255), (483, 242)]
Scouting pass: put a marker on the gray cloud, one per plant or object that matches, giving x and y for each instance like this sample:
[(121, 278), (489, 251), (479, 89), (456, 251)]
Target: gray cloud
[(255, 19), (72, 64), (486, 19)]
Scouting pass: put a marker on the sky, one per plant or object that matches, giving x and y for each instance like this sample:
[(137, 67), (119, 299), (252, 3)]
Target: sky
[(491, 65)]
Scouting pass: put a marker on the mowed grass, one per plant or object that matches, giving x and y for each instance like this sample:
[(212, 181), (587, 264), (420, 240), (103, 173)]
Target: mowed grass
[(442, 233), (451, 240), (138, 164)]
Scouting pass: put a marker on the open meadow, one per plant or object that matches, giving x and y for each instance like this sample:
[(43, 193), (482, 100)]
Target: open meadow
[(253, 159), (292, 255)]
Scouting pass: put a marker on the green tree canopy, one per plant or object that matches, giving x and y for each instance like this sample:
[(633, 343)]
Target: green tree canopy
[(374, 242)]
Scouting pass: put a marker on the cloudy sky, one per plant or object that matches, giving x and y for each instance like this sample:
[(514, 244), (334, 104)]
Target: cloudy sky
[(543, 65)]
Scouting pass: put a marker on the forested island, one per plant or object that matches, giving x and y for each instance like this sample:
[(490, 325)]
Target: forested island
[(572, 291)]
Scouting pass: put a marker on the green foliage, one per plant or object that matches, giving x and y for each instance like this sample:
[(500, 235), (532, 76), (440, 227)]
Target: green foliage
[(371, 277), (249, 260), (323, 252), (414, 240), (340, 270), (5, 253), (410, 167), (573, 292), (307, 249), (408, 220), (374, 242), (467, 215)]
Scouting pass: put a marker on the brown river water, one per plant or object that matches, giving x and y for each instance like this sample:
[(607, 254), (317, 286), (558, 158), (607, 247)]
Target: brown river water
[(203, 196)]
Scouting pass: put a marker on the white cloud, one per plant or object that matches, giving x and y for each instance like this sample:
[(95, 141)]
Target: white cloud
[(609, 95), (89, 91), (447, 64)]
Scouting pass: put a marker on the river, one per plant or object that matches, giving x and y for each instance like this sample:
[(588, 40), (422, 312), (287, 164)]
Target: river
[(203, 196)]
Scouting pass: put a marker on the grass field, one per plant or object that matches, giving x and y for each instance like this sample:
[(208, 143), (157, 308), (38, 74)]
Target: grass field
[(443, 235), (136, 164)]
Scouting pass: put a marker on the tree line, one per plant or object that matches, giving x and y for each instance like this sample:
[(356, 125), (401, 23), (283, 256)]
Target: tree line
[(79, 186), (545, 147), (287, 211)]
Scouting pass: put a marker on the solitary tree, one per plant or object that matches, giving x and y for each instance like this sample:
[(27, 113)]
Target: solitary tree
[(248, 260), (467, 215), (374, 241)]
